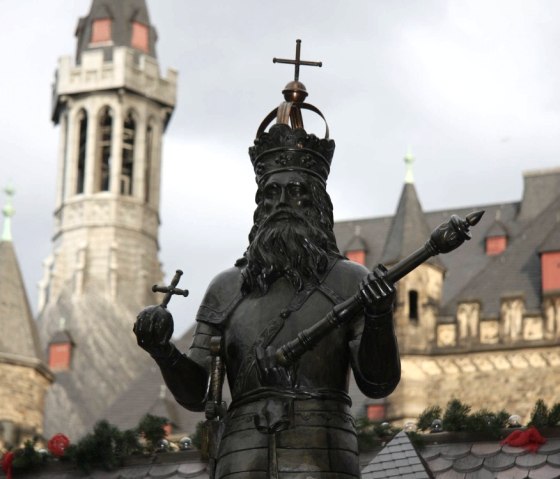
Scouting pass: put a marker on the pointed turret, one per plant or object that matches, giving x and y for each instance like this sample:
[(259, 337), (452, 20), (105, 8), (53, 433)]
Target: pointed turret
[(25, 378), (420, 291), (409, 228), (15, 312), (110, 24)]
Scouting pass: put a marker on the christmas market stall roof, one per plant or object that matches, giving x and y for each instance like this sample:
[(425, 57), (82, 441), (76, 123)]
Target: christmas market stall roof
[(440, 456)]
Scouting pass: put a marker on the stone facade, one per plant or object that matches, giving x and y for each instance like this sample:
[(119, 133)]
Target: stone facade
[(508, 379), (22, 398)]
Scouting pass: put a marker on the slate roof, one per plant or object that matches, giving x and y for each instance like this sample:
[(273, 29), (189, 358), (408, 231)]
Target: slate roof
[(470, 273), (399, 459), (490, 460), (103, 365), (517, 271), (497, 229), (19, 336), (122, 13)]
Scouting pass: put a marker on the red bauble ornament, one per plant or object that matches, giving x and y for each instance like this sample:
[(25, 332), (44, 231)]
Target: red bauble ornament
[(58, 444), (7, 467)]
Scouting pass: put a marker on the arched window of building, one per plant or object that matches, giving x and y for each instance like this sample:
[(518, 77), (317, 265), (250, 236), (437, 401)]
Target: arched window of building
[(103, 166), (127, 167), (81, 160), (148, 162), (413, 306)]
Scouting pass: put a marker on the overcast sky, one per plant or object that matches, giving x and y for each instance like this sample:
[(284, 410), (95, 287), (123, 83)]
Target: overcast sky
[(470, 86)]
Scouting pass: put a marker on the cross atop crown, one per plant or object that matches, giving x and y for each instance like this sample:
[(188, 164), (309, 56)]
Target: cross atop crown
[(297, 62)]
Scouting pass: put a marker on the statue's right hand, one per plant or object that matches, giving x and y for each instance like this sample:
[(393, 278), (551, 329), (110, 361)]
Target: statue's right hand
[(153, 329)]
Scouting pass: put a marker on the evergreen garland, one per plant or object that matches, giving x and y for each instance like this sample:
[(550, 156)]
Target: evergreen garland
[(107, 447)]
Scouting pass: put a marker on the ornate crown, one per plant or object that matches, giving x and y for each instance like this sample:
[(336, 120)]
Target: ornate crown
[(283, 148), (287, 146)]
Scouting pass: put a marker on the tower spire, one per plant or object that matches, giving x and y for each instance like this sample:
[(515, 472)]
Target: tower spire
[(408, 161), (8, 211), (110, 24)]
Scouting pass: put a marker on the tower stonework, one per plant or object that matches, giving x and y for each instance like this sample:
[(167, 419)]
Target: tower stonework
[(112, 106)]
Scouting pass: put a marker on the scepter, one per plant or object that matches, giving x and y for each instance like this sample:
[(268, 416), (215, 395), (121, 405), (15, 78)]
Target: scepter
[(445, 238)]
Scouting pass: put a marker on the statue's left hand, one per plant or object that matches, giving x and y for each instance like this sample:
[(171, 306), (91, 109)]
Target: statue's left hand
[(271, 374), (377, 293)]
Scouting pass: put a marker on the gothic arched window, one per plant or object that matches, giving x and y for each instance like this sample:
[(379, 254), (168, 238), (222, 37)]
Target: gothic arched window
[(148, 162), (127, 167), (103, 164), (81, 159)]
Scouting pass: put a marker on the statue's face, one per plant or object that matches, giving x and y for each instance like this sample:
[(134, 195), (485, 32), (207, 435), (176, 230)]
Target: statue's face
[(287, 190)]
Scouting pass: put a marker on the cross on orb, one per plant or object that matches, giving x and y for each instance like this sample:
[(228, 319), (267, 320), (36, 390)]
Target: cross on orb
[(297, 62)]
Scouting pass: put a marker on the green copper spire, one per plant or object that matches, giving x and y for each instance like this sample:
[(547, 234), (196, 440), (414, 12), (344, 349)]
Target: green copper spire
[(408, 160), (8, 212)]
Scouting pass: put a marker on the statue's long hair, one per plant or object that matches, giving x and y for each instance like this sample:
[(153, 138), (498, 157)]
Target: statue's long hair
[(299, 248)]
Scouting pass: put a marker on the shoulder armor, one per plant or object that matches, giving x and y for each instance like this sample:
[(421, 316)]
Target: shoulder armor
[(221, 297), (343, 280)]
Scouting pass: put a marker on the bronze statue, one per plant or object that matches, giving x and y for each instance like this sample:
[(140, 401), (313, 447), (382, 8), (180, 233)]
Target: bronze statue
[(260, 321)]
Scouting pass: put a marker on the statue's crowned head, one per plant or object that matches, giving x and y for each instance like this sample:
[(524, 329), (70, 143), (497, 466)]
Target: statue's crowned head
[(292, 235)]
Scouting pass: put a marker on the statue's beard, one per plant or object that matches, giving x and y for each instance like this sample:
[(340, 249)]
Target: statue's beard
[(287, 244)]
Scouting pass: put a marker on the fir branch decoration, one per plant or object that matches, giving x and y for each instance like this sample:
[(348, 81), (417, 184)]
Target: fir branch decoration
[(427, 417), (151, 427), (539, 416), (106, 447), (27, 458), (455, 416), (554, 415)]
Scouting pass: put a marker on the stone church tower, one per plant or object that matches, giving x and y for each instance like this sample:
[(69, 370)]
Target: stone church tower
[(112, 106)]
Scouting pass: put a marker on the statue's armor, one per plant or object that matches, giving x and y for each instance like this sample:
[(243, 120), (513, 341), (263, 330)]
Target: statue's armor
[(307, 423)]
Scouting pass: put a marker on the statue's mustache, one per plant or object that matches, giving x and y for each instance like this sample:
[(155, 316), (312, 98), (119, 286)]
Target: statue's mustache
[(284, 214)]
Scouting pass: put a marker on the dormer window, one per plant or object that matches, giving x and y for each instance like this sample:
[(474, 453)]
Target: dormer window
[(101, 30), (496, 245), (549, 252), (550, 267), (356, 249), (60, 351), (140, 37), (496, 239)]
